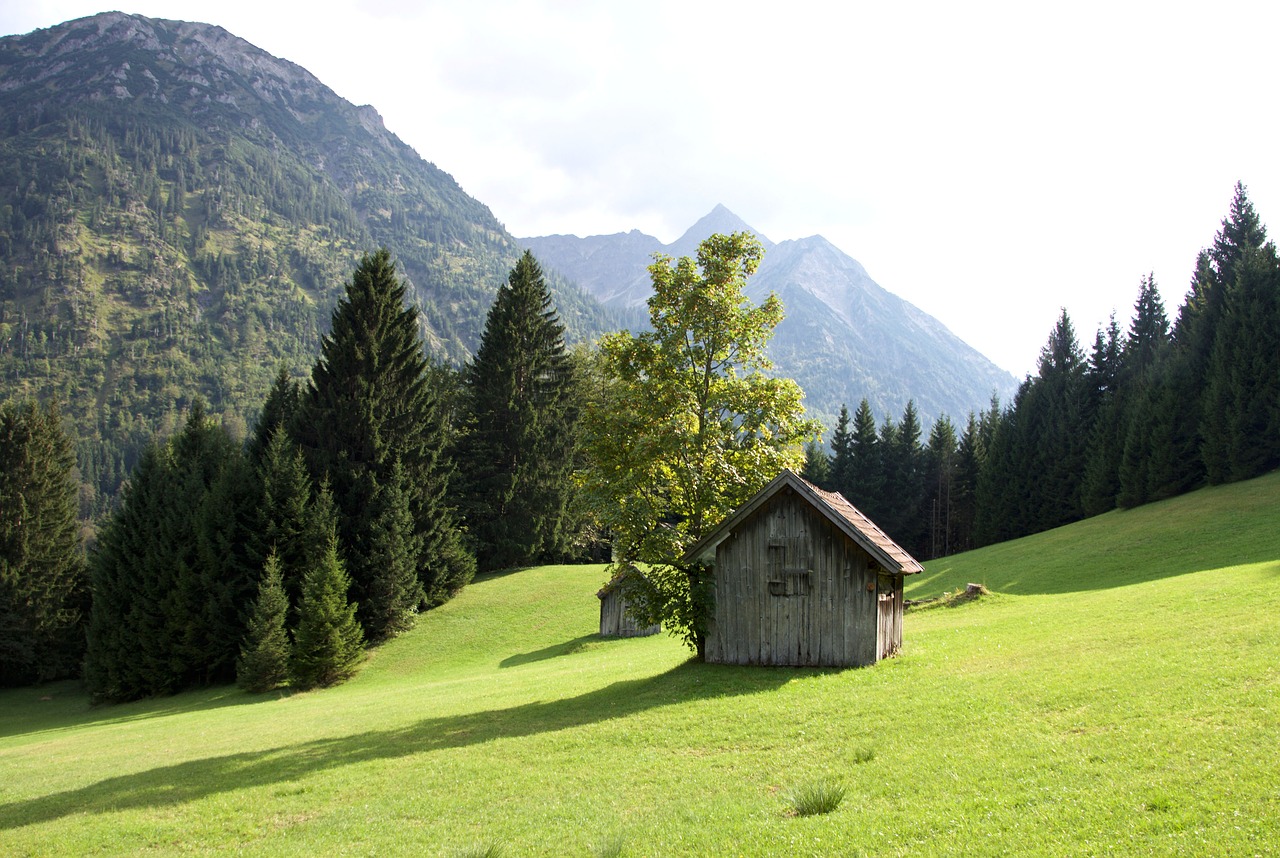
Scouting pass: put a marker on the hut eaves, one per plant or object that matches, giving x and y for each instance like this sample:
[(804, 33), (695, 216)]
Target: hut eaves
[(844, 515)]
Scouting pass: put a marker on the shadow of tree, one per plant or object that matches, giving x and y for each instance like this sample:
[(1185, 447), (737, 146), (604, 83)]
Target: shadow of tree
[(554, 651), (196, 779), (42, 708)]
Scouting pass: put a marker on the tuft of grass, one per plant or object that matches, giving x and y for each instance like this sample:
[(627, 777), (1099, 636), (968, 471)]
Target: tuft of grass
[(864, 755), (612, 846), (482, 850), (815, 798)]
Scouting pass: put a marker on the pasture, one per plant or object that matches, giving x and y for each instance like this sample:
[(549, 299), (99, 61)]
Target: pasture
[(1118, 692)]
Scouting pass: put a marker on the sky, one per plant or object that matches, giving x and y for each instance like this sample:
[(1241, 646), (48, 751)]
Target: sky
[(992, 163)]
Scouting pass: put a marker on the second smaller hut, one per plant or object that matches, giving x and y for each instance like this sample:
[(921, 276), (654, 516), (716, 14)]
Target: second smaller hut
[(614, 620)]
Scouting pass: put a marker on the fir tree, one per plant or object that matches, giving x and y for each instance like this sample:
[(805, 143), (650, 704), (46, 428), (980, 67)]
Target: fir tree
[(161, 619), (1055, 427), (371, 402), (1241, 428), (228, 568), (277, 414), (941, 463), (904, 482), (970, 454), (866, 473), (284, 514), (517, 453), (129, 577), (817, 466), (42, 572), (328, 643), (265, 653), (1101, 480), (393, 592), (840, 469)]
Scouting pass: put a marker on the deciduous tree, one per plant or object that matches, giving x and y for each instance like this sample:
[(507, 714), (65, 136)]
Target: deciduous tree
[(689, 426)]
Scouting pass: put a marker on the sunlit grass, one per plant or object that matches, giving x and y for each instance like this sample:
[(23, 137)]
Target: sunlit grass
[(1118, 692)]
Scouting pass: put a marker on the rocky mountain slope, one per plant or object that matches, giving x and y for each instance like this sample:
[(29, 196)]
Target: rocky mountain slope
[(844, 337)]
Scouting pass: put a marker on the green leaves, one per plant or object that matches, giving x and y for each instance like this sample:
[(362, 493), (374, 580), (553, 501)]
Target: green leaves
[(685, 426)]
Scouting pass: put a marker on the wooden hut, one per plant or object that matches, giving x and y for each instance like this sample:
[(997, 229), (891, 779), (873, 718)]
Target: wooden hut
[(803, 578), (614, 622)]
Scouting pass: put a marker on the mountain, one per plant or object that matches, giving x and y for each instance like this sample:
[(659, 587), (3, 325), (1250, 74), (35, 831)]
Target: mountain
[(844, 336), (179, 211)]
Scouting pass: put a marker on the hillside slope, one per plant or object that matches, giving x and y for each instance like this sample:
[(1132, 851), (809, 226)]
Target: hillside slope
[(179, 211), (1118, 694)]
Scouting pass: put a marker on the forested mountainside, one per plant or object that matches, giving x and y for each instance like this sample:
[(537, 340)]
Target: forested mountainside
[(179, 211), (844, 336)]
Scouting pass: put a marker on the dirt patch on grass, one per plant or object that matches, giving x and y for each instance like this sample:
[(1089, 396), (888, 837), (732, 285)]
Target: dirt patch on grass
[(953, 599)]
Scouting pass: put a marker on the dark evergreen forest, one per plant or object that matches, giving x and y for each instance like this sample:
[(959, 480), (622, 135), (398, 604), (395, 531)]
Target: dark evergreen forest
[(1146, 413)]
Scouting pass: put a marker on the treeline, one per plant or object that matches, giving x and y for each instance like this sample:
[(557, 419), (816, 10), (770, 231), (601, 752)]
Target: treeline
[(342, 515), (1149, 413), (145, 257)]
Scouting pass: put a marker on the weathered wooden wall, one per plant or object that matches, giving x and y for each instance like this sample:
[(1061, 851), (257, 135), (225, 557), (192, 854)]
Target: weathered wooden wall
[(614, 621), (792, 589)]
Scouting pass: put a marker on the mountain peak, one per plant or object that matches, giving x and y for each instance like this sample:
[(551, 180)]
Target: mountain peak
[(718, 221)]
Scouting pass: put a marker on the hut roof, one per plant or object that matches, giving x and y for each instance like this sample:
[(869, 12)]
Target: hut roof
[(844, 515)]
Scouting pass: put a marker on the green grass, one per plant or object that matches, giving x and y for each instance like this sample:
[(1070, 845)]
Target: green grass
[(1118, 692), (817, 797)]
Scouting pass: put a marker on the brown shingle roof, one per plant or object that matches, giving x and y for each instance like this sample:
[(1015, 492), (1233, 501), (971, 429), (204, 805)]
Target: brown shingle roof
[(844, 515)]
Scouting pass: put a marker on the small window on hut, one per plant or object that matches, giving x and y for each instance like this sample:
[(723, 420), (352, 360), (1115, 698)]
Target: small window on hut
[(791, 582)]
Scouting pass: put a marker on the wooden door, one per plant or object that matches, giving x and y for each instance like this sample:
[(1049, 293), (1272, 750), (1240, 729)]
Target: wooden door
[(888, 632)]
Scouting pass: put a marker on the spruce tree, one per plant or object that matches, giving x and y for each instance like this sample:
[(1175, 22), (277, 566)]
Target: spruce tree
[(970, 454), (1148, 334), (229, 566), (371, 401), (327, 644), (941, 464), (130, 575), (904, 484), (165, 597), (1236, 263), (284, 513), (42, 571), (817, 466), (265, 652), (1101, 479), (1004, 484), (393, 592), (1241, 428), (866, 473), (277, 414), (1054, 421), (840, 469), (517, 453)]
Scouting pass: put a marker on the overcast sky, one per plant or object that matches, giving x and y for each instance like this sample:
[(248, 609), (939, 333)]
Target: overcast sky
[(989, 162)]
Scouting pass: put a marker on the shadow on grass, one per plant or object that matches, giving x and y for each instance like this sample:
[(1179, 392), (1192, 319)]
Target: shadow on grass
[(56, 706), (193, 780), (554, 651)]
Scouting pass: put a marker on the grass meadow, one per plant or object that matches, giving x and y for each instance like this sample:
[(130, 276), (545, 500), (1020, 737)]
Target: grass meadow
[(1117, 693)]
